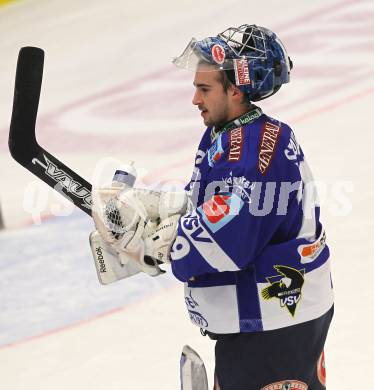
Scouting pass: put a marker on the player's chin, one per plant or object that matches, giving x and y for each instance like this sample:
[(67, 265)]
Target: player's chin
[(206, 118)]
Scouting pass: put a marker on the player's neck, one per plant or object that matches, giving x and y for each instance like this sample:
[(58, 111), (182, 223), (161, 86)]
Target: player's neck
[(238, 111)]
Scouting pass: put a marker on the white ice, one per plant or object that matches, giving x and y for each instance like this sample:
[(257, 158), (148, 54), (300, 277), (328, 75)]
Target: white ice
[(110, 95)]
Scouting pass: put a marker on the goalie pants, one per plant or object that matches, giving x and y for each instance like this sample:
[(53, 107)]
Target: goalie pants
[(287, 359)]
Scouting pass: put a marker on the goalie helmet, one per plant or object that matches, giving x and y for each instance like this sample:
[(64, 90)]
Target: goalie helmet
[(253, 57)]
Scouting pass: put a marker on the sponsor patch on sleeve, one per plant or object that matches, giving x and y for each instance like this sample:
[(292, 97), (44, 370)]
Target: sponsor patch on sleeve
[(220, 210), (268, 143), (309, 252)]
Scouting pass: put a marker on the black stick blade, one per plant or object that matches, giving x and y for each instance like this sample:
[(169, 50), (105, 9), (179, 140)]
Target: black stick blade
[(22, 142)]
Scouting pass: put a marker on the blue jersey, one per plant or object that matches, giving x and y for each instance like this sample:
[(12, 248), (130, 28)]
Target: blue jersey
[(251, 248)]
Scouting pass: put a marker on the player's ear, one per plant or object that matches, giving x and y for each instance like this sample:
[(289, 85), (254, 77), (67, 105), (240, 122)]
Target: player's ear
[(236, 93)]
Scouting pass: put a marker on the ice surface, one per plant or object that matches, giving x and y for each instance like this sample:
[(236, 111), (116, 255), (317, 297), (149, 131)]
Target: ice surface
[(48, 280)]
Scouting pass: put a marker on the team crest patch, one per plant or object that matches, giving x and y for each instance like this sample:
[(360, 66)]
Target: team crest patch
[(286, 286), (290, 384), (220, 210), (268, 142), (215, 152), (218, 54)]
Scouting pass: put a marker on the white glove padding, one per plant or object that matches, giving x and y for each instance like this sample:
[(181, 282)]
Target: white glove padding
[(158, 245), (138, 258), (124, 218), (160, 205), (108, 266), (172, 203), (112, 266), (119, 217)]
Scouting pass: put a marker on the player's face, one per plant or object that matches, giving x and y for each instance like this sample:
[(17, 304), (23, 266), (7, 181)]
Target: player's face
[(210, 98)]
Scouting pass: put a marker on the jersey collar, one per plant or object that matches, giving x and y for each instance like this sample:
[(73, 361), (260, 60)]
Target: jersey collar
[(245, 119)]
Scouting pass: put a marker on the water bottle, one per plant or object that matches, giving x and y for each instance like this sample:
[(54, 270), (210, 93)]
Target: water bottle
[(125, 177)]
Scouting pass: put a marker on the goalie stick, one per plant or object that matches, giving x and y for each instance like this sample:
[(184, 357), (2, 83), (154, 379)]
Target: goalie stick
[(23, 145), (192, 370), (25, 149)]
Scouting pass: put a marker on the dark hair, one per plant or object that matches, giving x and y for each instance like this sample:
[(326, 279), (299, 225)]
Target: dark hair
[(227, 79)]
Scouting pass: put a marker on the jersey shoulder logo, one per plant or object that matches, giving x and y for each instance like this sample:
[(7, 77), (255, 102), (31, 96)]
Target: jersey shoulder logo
[(236, 144), (293, 151), (268, 142)]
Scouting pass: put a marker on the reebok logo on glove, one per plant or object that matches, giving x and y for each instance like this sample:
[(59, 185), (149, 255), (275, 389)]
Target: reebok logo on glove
[(100, 259)]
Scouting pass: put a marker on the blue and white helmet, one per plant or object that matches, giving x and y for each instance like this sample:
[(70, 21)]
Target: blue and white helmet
[(253, 57)]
